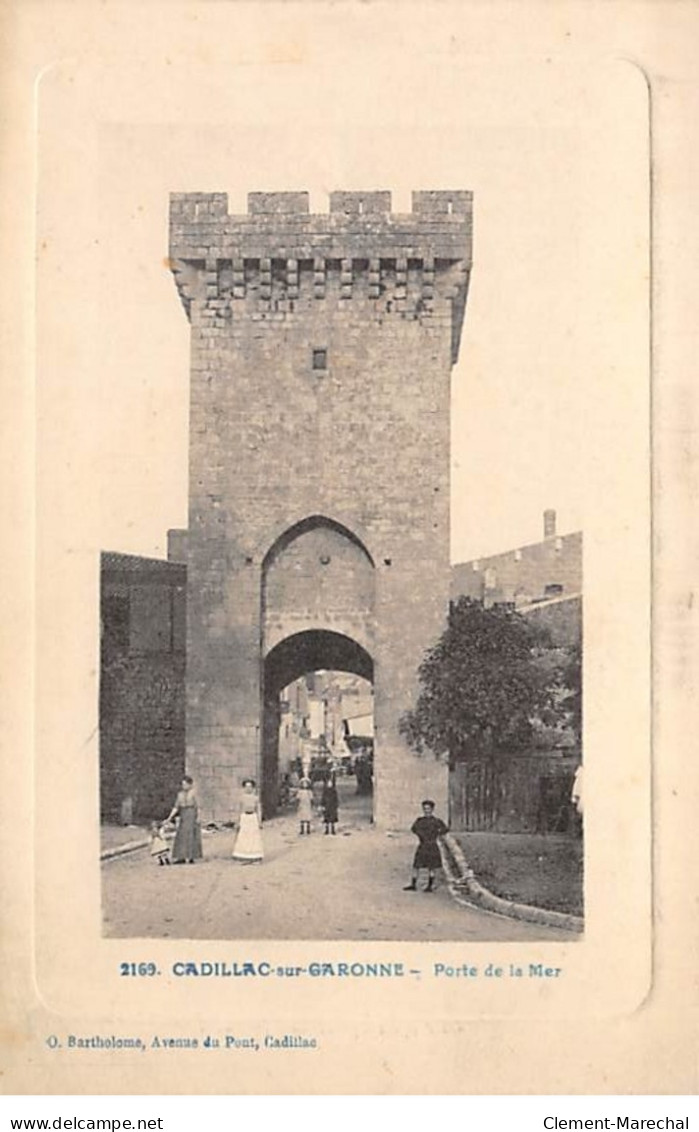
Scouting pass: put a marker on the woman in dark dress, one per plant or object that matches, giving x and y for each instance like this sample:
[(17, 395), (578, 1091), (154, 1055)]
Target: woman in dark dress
[(330, 804), (428, 829), (187, 843)]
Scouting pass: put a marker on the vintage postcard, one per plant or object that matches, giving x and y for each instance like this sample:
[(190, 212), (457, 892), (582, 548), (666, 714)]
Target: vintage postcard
[(342, 399)]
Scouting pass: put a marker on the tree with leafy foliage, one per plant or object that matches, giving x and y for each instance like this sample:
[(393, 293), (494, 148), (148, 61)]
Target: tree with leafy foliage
[(570, 681), (481, 685)]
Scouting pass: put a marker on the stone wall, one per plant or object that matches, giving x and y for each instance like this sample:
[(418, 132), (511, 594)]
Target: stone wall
[(141, 711)]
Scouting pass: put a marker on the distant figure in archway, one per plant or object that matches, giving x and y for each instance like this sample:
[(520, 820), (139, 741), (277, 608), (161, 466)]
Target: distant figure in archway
[(248, 843), (363, 769), (330, 804)]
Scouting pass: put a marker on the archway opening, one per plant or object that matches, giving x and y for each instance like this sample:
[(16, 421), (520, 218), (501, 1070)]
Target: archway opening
[(318, 716)]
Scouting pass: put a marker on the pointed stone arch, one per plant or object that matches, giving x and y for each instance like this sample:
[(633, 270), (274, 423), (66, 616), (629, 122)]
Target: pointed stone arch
[(308, 522), (317, 598), (317, 575)]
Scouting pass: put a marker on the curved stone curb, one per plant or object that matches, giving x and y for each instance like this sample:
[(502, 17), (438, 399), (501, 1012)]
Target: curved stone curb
[(119, 850), (466, 890)]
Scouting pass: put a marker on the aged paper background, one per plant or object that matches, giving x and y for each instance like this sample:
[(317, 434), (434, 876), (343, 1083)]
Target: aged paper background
[(110, 107)]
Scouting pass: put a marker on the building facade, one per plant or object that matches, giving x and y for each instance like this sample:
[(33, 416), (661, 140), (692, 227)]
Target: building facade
[(526, 575)]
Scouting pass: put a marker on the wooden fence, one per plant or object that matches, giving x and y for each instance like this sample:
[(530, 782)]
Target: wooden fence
[(513, 793)]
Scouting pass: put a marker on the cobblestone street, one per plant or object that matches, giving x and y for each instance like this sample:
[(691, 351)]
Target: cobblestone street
[(320, 887)]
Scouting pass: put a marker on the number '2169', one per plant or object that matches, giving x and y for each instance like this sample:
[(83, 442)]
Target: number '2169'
[(138, 969)]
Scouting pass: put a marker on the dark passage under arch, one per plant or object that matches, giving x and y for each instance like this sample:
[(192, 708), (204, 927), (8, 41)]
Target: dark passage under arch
[(310, 651)]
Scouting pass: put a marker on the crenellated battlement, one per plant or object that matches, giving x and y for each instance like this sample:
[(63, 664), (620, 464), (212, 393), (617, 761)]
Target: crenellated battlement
[(279, 252), (431, 204), (358, 225)]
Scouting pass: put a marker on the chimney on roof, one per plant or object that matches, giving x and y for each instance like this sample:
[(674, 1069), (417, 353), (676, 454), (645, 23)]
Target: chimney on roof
[(549, 523)]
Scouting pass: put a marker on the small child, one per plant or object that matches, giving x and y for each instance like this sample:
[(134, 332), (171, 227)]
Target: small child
[(428, 829), (158, 845), (305, 798), (317, 788)]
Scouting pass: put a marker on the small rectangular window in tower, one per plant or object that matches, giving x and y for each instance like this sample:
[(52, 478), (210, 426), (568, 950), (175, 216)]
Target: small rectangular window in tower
[(320, 359)]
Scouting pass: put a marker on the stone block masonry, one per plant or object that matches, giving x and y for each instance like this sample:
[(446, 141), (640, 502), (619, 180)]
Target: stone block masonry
[(142, 684), (321, 354)]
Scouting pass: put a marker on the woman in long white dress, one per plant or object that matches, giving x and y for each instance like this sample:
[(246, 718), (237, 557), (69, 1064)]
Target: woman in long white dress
[(248, 843)]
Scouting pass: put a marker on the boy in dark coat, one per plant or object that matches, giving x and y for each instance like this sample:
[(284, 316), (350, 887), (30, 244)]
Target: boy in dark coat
[(428, 829)]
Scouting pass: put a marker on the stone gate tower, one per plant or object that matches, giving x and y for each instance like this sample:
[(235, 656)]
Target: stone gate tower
[(321, 354)]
